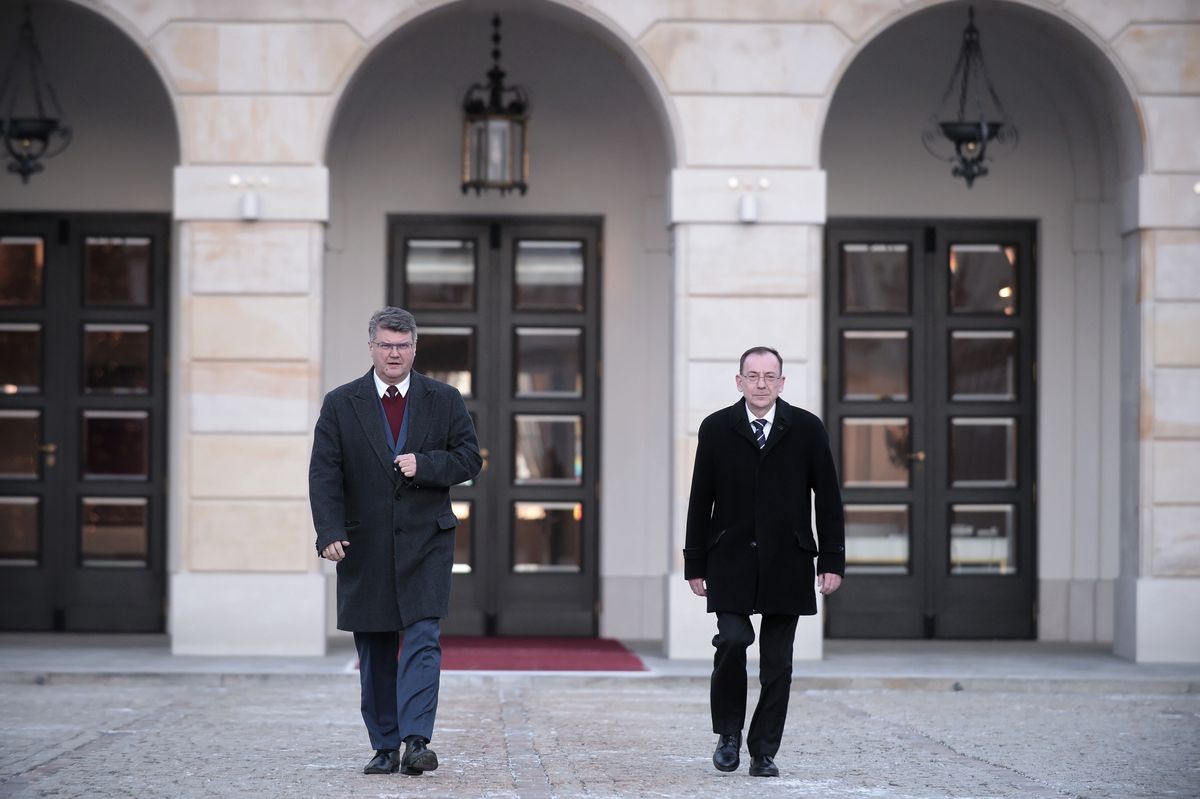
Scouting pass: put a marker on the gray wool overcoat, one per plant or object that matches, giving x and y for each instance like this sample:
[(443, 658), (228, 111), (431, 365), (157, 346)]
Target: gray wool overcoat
[(401, 531)]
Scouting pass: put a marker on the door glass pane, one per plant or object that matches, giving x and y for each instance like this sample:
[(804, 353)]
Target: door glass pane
[(549, 361), (463, 538), (983, 279), (547, 536), (983, 452), (116, 359), (875, 278), (117, 271), (113, 532), (448, 354), (21, 358), (877, 539), (20, 436), (549, 276), (19, 527), (549, 449), (875, 453), (983, 539), (983, 365), (22, 270), (439, 274), (875, 365), (116, 445)]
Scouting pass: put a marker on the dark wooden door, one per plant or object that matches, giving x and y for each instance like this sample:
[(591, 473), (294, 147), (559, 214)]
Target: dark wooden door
[(83, 352), (929, 397), (508, 311)]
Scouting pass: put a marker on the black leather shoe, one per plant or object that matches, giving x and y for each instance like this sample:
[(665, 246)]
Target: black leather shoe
[(763, 766), (726, 757), (418, 757), (386, 761)]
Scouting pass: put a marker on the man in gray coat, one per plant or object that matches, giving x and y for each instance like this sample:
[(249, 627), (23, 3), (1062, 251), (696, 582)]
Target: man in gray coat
[(386, 450)]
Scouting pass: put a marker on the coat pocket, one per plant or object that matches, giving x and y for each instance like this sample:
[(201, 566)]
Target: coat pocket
[(716, 539), (447, 521), (804, 542)]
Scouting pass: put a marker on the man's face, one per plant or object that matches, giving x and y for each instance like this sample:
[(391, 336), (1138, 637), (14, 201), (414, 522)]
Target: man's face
[(393, 354), (760, 381)]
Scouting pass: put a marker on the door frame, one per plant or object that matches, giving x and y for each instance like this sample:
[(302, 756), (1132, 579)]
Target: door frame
[(73, 597), (951, 606), (497, 600)]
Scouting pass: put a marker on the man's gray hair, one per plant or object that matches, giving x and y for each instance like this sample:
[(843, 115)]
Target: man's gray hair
[(391, 318), (760, 351)]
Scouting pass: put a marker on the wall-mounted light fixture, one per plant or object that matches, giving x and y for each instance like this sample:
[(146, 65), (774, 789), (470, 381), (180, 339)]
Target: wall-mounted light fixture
[(31, 124), (250, 202), (495, 152), (975, 127), (747, 206)]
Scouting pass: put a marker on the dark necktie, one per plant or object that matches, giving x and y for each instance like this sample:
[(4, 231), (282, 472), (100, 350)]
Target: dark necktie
[(393, 406), (759, 435)]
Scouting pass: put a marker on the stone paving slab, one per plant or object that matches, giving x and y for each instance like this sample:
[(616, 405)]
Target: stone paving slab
[(528, 737)]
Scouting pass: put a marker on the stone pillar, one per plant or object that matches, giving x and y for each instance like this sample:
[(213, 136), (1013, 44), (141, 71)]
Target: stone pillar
[(247, 382), (254, 93), (747, 206), (1159, 587), (738, 284)]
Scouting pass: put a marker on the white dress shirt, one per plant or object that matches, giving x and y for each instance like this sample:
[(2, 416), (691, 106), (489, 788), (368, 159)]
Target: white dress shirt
[(402, 386)]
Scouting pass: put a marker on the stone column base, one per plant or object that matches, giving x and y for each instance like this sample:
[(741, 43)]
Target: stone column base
[(1156, 620), (251, 613)]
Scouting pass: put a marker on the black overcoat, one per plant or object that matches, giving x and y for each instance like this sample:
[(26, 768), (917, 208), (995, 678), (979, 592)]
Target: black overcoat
[(749, 521), (401, 531)]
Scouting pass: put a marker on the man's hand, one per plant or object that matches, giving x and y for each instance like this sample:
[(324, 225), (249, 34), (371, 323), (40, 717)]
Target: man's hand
[(698, 587), (407, 463), (828, 583), (335, 551)]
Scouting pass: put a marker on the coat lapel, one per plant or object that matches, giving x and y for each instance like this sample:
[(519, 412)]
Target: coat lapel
[(366, 408), (420, 409), (779, 428), (740, 424)]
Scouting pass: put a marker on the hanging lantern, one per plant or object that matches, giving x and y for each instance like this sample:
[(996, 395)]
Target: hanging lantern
[(495, 131), (31, 124), (973, 128)]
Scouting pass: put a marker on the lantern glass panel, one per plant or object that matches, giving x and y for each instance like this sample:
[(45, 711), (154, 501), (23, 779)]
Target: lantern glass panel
[(499, 151)]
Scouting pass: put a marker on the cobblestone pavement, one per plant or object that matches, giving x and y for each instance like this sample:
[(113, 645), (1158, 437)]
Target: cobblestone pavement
[(534, 736)]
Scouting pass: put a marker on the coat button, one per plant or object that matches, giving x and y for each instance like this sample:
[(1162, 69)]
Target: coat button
[(753, 544)]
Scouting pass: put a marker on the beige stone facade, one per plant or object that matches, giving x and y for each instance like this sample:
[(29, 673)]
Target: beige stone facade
[(275, 98)]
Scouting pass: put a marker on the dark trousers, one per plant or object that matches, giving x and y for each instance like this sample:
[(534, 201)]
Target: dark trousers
[(728, 690), (400, 699)]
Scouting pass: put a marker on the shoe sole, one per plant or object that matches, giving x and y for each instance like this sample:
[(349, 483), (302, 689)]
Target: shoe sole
[(426, 761), (726, 769), (380, 771)]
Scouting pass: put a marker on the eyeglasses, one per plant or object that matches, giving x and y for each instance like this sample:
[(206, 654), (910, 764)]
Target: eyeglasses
[(403, 346), (769, 378)]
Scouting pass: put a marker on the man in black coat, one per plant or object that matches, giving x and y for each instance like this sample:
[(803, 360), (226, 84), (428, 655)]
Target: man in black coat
[(386, 450), (750, 548)]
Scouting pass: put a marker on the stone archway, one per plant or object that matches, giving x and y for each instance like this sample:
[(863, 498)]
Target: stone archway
[(90, 335), (124, 120), (602, 147), (1074, 171)]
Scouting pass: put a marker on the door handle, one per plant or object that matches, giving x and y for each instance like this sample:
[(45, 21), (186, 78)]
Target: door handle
[(49, 451), (484, 453), (917, 456)]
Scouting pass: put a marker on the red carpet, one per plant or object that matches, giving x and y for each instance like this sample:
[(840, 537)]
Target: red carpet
[(468, 652)]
